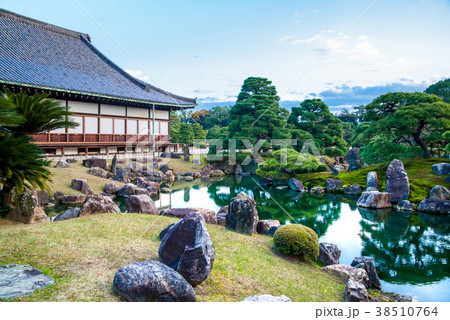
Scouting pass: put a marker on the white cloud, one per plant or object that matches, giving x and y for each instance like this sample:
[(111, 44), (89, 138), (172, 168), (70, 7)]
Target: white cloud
[(138, 74), (282, 39)]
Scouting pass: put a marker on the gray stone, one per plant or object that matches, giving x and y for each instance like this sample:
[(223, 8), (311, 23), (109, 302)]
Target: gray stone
[(397, 182), (334, 185), (99, 204), (186, 153), (242, 215), (165, 190), (111, 187), (206, 171), (141, 191), (355, 292), (434, 206), (267, 298), (353, 189), (164, 168), (23, 207), (271, 231), (152, 281), (123, 175), (372, 181), (42, 197), (368, 264), (141, 204), (317, 191), (263, 226), (296, 185), (238, 169), (21, 280), (188, 249), (72, 160), (197, 161), (348, 273), (329, 253), (127, 190), (353, 159), (163, 233), (95, 162), (405, 205), (222, 215), (62, 164), (208, 215), (70, 213), (81, 185), (442, 168), (228, 167), (169, 176), (73, 198), (375, 200), (99, 172), (113, 167), (440, 193), (151, 186)]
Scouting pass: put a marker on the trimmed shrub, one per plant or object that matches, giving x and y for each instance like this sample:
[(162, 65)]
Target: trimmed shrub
[(297, 240)]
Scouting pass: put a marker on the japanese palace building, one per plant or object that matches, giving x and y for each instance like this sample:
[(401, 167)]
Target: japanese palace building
[(116, 112)]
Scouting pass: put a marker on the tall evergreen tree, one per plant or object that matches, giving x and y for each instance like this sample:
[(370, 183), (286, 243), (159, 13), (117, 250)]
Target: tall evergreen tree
[(186, 134), (174, 127)]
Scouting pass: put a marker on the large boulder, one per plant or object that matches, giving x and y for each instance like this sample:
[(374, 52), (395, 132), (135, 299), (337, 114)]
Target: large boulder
[(440, 193), (271, 231), (348, 273), (264, 225), (163, 233), (62, 164), (81, 185), (434, 206), (99, 172), (21, 280), (151, 186), (123, 175), (405, 205), (141, 204), (355, 292), (267, 298), (42, 197), (127, 190), (208, 215), (188, 249), (152, 281), (368, 264), (164, 168), (222, 216), (372, 181), (113, 167), (238, 169), (353, 189), (111, 188), (242, 215), (442, 168), (95, 162), (70, 213), (353, 159), (99, 204), (397, 182), (206, 171), (73, 199), (334, 185), (296, 185), (329, 253), (23, 207), (228, 167), (375, 200), (169, 176)]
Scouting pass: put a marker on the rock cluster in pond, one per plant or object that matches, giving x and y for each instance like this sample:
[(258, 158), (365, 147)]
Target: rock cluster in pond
[(264, 226), (81, 185), (296, 185), (23, 207), (222, 215), (208, 215), (353, 159), (329, 253), (152, 281), (317, 191), (21, 280), (397, 182), (434, 206), (355, 292), (188, 249), (334, 185), (267, 298), (372, 181), (440, 193), (242, 215), (368, 264), (353, 189), (70, 213), (347, 272), (95, 162), (62, 164), (99, 204), (405, 205), (123, 175), (141, 204), (442, 168), (375, 200)]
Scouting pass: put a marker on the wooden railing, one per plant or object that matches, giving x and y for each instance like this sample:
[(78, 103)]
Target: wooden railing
[(73, 138)]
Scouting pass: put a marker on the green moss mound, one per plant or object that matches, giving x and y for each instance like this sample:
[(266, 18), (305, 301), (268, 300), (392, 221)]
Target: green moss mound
[(297, 240)]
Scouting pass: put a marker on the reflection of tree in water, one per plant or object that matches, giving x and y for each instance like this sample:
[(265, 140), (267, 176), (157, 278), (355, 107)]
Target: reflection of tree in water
[(316, 212), (405, 249)]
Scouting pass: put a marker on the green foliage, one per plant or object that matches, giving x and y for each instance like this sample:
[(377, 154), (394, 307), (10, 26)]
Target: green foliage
[(257, 114), (199, 134), (297, 240), (218, 116), (314, 117), (186, 133), (381, 150), (175, 124), (348, 117), (440, 89)]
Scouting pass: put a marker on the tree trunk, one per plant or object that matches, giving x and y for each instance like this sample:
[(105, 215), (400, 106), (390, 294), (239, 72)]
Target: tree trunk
[(416, 135)]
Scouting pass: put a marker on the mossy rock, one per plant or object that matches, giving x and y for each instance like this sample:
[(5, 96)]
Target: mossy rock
[(297, 240)]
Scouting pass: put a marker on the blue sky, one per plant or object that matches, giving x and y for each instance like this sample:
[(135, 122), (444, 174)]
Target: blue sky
[(206, 49)]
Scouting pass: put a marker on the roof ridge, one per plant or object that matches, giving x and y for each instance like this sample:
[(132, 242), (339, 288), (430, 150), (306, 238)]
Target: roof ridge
[(42, 25)]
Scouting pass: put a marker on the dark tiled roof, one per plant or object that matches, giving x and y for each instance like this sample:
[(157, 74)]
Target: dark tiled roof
[(37, 54)]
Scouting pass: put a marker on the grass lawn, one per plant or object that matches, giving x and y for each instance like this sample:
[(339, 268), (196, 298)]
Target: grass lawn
[(83, 255), (421, 177)]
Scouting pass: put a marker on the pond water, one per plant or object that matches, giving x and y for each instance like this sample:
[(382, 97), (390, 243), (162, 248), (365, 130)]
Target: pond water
[(412, 253)]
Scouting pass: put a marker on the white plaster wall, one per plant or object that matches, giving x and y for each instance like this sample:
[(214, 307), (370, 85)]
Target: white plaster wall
[(113, 110), (137, 112), (83, 107)]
